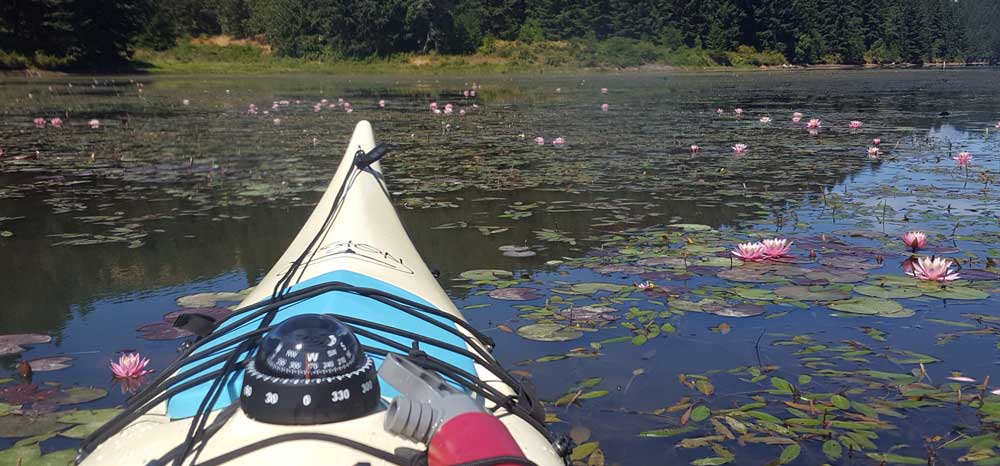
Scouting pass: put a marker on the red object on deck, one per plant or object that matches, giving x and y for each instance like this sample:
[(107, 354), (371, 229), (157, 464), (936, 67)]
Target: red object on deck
[(470, 437)]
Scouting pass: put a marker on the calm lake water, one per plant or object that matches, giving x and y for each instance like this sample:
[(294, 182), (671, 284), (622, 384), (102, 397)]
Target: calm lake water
[(833, 355)]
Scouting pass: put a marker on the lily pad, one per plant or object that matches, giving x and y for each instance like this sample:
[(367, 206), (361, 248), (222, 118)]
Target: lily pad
[(89, 416), (850, 262), (979, 274), (549, 332), (515, 294), (25, 393), (210, 299), (80, 431), (759, 294), (725, 309), (663, 261), (869, 234), (13, 344), (591, 288), (485, 275), (519, 253), (77, 395), (690, 226), (166, 331), (619, 268), (20, 454), (871, 306), (750, 275), (812, 293), (888, 292), (959, 292), (49, 364), (56, 458), (838, 276), (27, 426)]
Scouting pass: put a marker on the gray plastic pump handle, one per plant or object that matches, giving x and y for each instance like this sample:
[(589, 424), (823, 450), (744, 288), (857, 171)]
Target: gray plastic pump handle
[(425, 402)]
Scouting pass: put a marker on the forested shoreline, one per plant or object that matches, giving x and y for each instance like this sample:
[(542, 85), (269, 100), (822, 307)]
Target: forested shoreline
[(104, 34)]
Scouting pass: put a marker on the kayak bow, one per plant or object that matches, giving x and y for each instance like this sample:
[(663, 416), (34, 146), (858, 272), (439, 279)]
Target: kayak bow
[(291, 374)]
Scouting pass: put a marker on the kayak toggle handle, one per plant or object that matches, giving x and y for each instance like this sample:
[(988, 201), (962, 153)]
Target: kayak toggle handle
[(362, 160)]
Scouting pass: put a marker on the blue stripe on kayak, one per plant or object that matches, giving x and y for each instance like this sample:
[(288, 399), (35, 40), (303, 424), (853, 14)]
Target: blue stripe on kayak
[(185, 404)]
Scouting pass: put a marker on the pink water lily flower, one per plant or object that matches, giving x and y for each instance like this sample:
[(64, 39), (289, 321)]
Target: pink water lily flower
[(797, 115), (186, 102), (934, 269), (695, 148), (540, 141), (876, 141), (750, 252), (252, 109), (472, 93), (765, 120), (604, 107), (276, 121), (57, 122), (604, 90), (874, 153), (381, 104), (915, 240), (963, 159), (558, 142), (738, 111), (719, 111), (130, 365), (434, 105), (740, 148), (814, 124), (94, 124), (39, 122), (998, 125), (465, 93), (776, 247), (796, 119), (461, 112), (855, 124)]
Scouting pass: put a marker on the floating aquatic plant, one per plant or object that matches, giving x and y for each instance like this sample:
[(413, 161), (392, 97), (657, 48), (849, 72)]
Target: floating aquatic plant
[(750, 252), (130, 365), (915, 240), (935, 269)]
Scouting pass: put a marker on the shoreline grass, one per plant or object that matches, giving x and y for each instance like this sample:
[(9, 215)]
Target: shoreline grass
[(222, 55)]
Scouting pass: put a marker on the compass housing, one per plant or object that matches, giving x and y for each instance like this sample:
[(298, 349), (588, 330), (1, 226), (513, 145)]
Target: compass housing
[(310, 369)]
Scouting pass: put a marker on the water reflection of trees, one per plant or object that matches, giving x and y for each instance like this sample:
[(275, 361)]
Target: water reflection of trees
[(46, 284)]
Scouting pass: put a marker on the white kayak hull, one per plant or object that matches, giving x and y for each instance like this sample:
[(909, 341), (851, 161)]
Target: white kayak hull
[(366, 221)]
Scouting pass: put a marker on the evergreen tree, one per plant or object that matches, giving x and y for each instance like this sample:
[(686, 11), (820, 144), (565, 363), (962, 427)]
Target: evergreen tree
[(775, 25), (100, 32), (723, 25)]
